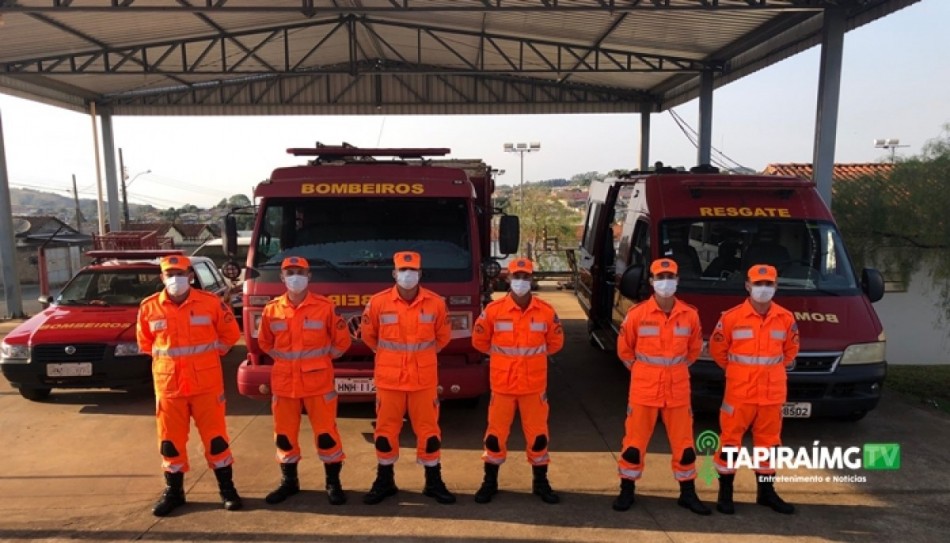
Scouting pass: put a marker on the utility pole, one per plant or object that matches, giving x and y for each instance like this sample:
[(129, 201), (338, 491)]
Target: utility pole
[(125, 197), (78, 210)]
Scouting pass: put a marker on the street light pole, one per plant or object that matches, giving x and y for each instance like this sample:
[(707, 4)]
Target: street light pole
[(125, 198), (521, 149)]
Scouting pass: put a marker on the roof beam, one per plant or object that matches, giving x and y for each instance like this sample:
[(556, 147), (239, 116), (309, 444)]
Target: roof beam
[(308, 9)]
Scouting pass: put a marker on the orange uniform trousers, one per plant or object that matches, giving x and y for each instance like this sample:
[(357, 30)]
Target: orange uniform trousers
[(735, 421), (638, 429), (321, 410), (174, 421), (423, 408), (534, 411)]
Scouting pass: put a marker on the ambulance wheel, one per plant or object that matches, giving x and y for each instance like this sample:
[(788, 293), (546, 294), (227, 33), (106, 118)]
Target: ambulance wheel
[(35, 394)]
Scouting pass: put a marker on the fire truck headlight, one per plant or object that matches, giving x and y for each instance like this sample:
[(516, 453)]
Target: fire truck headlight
[(864, 353), (14, 354), (127, 349)]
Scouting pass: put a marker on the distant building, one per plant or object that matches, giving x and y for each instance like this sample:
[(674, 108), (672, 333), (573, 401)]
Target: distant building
[(62, 244)]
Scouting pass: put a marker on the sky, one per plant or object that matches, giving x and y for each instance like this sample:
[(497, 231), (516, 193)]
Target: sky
[(895, 84)]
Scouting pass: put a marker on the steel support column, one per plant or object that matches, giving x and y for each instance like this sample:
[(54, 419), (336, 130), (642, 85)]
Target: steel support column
[(645, 139), (112, 184), (704, 150), (8, 264), (829, 90)]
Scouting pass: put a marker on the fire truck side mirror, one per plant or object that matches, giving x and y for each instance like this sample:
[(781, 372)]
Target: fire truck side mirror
[(631, 281), (872, 283), (509, 230), (229, 242)]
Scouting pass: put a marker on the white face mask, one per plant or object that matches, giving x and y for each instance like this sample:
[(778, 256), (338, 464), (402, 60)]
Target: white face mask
[(520, 287), (664, 288), (177, 285), (407, 279), (296, 283), (762, 294)]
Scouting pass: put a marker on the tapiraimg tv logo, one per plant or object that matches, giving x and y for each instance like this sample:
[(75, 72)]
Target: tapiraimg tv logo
[(871, 456)]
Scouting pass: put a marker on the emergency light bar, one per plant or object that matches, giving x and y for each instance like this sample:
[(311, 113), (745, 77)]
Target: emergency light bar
[(135, 254), (342, 151)]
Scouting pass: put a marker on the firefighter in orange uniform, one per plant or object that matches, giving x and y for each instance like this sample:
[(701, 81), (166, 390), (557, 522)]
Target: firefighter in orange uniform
[(406, 326), (518, 332), (754, 343), (303, 334), (659, 339), (187, 331)]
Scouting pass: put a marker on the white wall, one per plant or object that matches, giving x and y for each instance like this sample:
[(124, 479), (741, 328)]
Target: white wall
[(915, 332)]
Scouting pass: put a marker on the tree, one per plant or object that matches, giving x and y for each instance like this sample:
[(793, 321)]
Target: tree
[(901, 222), (585, 179), (544, 216)]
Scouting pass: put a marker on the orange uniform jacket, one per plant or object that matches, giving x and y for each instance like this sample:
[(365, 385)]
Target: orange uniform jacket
[(406, 337), (186, 342), (755, 350), (659, 349), (303, 341), (519, 343)]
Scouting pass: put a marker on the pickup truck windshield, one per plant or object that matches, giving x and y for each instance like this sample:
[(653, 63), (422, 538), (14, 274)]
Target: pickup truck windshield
[(106, 287), (715, 254), (354, 239)]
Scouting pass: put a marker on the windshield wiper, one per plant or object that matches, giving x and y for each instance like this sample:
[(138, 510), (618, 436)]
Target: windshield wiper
[(326, 263)]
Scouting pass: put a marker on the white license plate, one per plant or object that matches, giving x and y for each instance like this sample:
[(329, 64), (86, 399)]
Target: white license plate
[(77, 369), (796, 410), (353, 385)]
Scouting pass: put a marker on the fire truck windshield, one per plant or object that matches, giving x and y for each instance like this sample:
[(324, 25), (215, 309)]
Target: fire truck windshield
[(715, 254), (106, 287), (354, 239)]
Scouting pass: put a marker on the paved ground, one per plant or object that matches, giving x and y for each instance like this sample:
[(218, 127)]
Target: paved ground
[(84, 465)]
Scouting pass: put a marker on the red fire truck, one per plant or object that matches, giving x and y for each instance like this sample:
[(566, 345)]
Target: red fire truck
[(347, 211)]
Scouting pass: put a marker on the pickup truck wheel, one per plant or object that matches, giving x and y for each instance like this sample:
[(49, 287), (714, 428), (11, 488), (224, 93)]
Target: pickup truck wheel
[(35, 394)]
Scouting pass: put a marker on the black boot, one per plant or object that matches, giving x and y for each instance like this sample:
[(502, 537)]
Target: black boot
[(724, 501), (766, 495), (690, 500), (384, 485), (625, 499), (435, 488), (229, 494), (335, 493), (541, 487), (489, 485), (173, 496), (289, 484)]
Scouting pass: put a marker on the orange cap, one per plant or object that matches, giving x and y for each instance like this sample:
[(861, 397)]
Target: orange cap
[(175, 262), (520, 265), (407, 259), (294, 262), (762, 272), (664, 265)]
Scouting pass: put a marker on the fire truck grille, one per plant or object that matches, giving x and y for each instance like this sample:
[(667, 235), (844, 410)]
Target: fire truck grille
[(84, 352), (815, 364)]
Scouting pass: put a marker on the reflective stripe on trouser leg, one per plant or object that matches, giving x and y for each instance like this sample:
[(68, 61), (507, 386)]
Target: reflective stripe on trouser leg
[(173, 422), (767, 431), (734, 420), (534, 423), (287, 423), (501, 413), (208, 412), (390, 410), (678, 422), (424, 418), (322, 413), (638, 427)]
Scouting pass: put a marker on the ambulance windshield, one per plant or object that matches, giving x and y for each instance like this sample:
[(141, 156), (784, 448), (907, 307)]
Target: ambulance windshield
[(715, 254), (354, 239)]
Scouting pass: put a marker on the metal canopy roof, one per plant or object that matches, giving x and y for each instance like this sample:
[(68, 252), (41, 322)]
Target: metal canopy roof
[(206, 57)]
